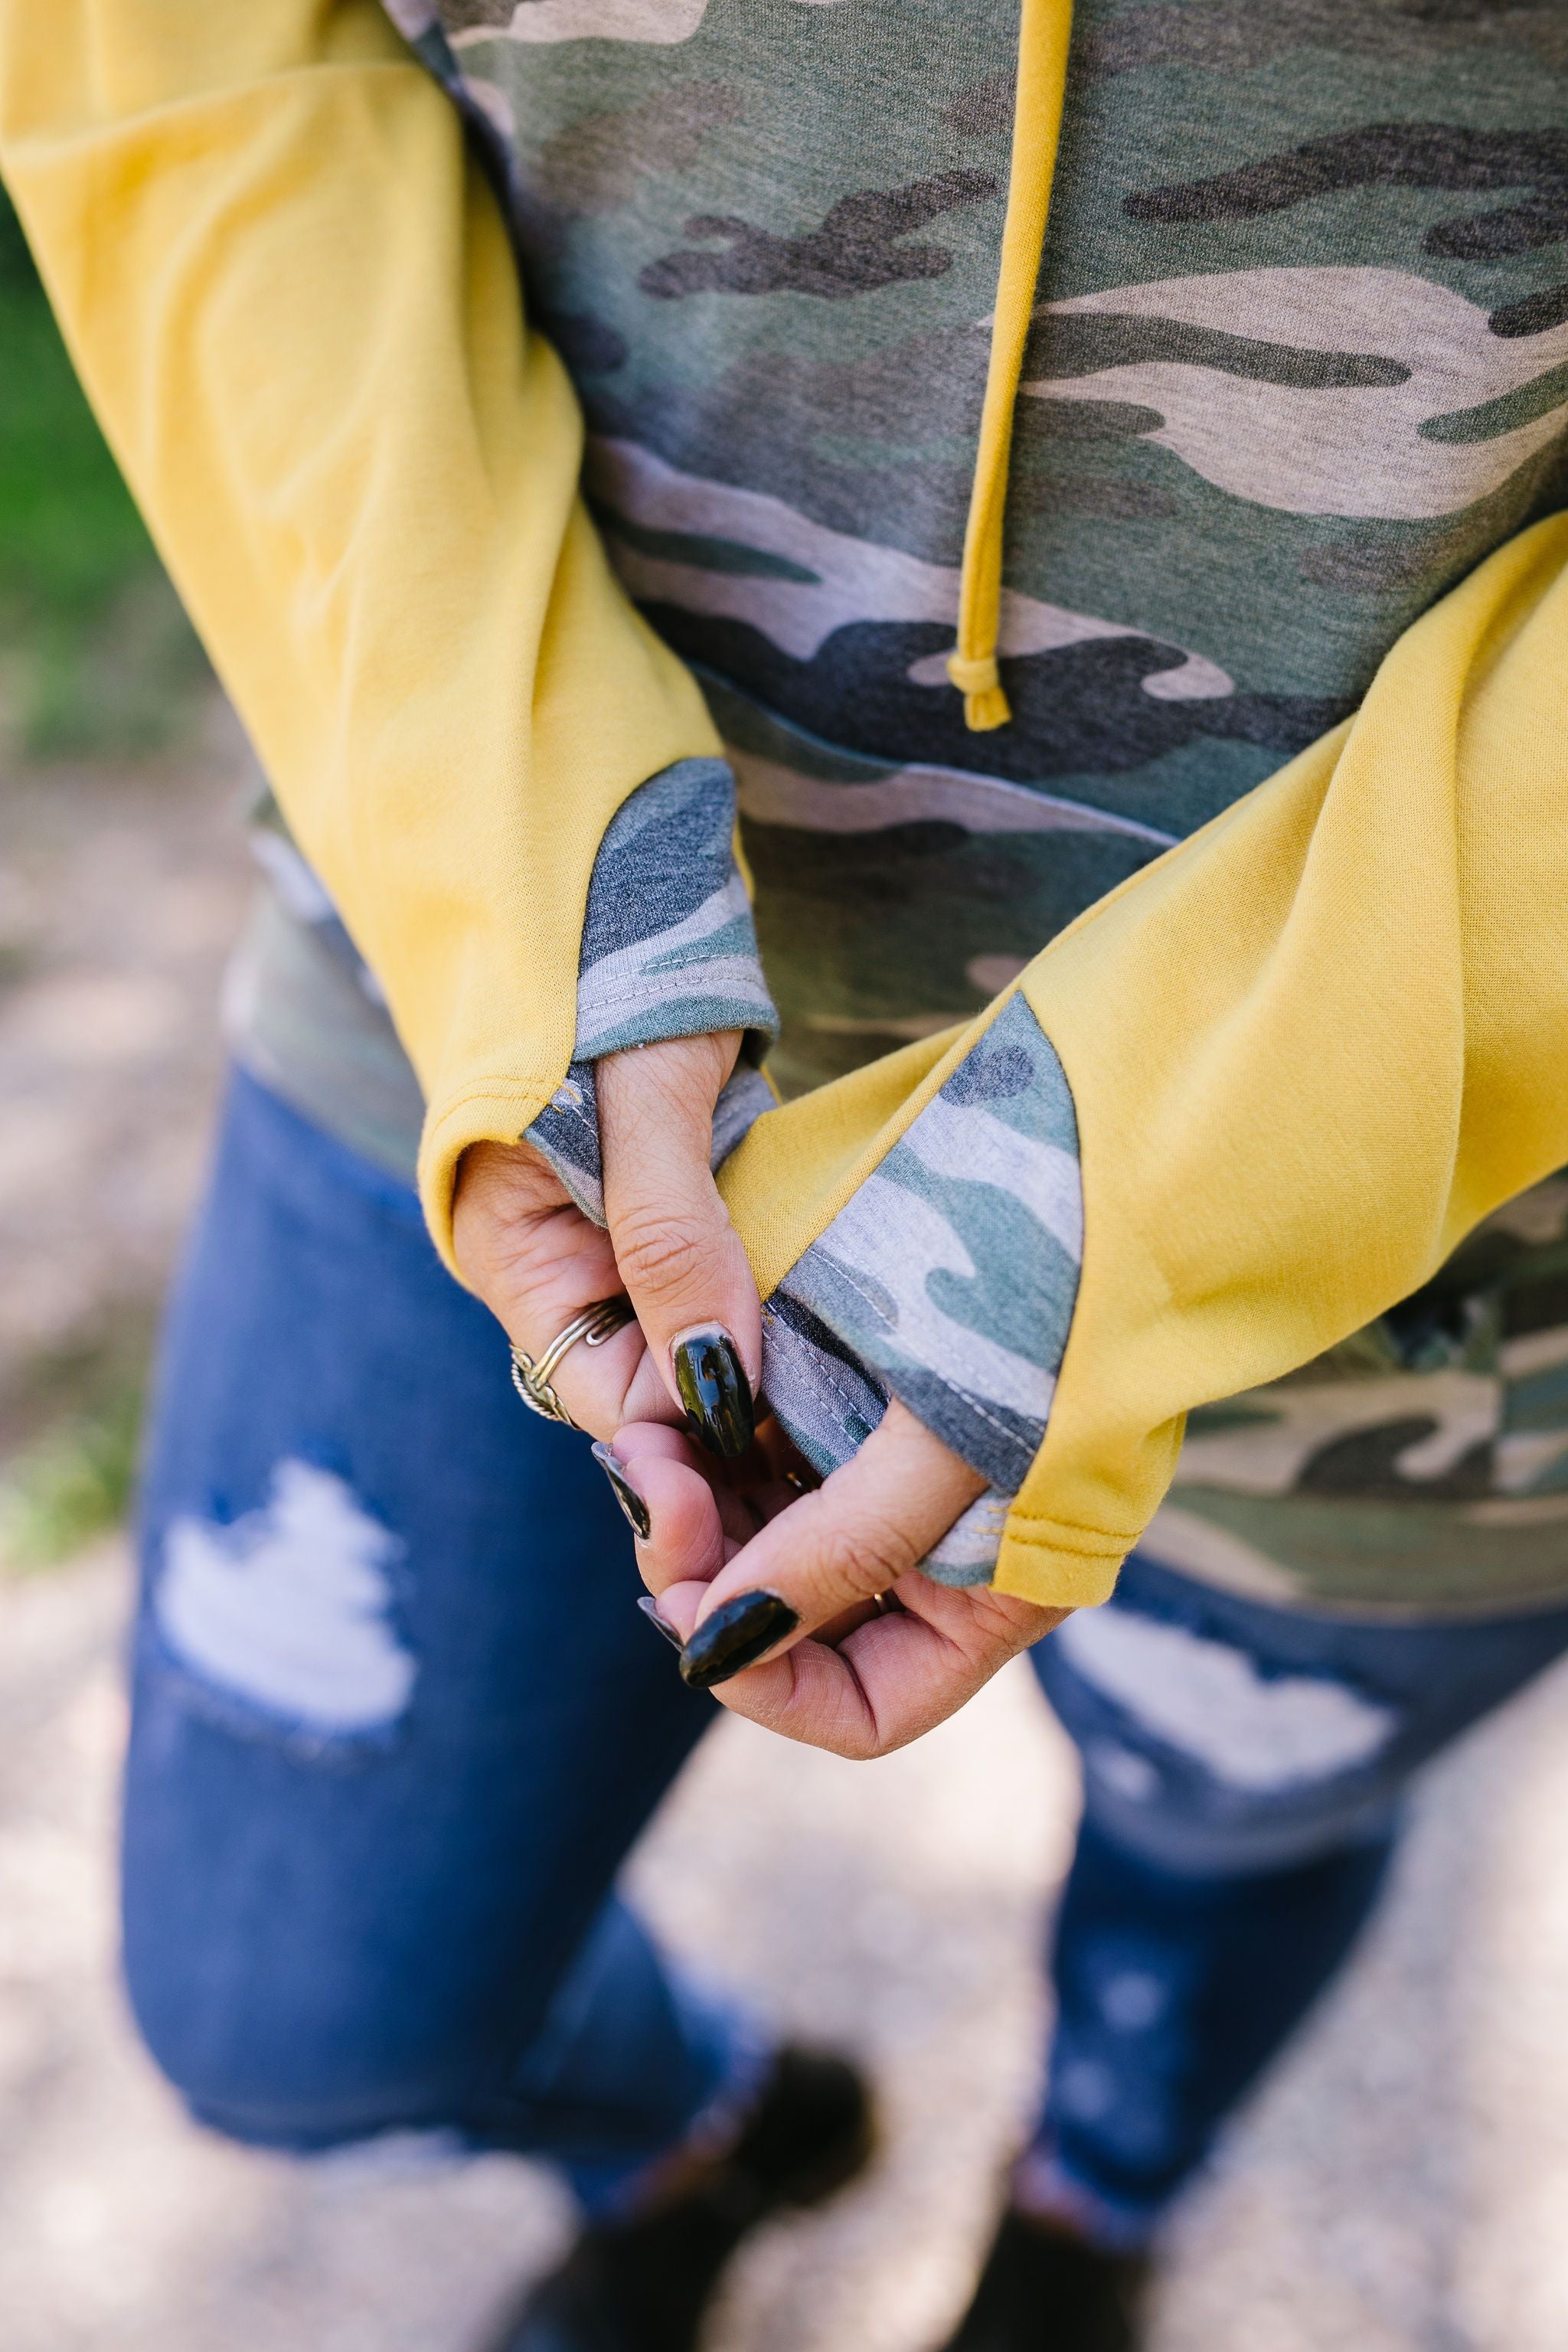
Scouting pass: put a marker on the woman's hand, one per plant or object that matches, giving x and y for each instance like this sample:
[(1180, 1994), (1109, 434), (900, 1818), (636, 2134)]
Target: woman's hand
[(760, 1572), (536, 1261), (839, 1671)]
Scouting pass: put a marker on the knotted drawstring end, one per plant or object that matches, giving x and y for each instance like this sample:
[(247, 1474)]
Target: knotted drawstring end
[(984, 711), (977, 679)]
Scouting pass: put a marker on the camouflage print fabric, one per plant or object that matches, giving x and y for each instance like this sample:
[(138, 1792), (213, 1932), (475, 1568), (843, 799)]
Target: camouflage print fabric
[(951, 1272), (307, 1017), (668, 951), (948, 1280), (1299, 361), (668, 945), (1432, 1448)]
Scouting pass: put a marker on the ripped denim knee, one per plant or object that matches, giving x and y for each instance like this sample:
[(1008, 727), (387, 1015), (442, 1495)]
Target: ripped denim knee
[(1202, 1755), (283, 1623)]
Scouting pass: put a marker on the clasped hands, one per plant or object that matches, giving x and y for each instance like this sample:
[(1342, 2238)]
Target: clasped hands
[(841, 1669)]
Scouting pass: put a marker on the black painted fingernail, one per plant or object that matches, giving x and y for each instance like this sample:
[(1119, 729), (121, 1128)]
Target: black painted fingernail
[(649, 1608), (735, 1637), (711, 1381), (633, 1508)]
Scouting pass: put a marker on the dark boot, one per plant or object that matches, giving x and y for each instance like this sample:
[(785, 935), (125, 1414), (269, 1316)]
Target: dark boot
[(645, 2284), (1045, 2290)]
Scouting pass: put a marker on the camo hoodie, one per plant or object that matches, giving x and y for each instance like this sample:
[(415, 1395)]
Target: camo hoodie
[(779, 493), (1295, 367)]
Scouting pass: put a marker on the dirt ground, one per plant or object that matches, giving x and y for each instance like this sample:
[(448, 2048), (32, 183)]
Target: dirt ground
[(119, 890), (1400, 2186)]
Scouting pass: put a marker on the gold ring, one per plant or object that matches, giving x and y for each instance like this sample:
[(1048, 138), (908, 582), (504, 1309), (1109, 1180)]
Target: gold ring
[(594, 1326)]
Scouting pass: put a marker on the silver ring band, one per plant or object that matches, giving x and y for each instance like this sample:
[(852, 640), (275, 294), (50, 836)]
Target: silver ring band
[(531, 1374)]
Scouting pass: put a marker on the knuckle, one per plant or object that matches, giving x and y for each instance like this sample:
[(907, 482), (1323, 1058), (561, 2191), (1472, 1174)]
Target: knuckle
[(859, 1556), (493, 1177), (506, 1254), (659, 1247), (498, 1195)]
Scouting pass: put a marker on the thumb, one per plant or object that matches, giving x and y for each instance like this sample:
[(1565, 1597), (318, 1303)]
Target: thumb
[(869, 1524), (676, 1252)]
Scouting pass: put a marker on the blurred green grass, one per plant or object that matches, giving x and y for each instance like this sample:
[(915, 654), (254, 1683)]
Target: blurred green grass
[(96, 658), (74, 1479)]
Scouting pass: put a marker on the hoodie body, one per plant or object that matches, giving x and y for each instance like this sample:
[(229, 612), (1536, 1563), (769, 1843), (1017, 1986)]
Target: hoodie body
[(1297, 370)]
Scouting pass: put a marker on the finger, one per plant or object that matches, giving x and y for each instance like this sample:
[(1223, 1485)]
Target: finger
[(816, 1564), (869, 1524), (868, 1683), (537, 1263), (687, 1516), (675, 1513), (679, 1257), (894, 1678)]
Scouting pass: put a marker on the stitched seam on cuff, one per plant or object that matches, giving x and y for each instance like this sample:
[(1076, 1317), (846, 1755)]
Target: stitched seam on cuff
[(965, 1396)]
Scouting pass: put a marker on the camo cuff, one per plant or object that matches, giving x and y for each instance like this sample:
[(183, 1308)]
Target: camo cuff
[(668, 951), (948, 1280)]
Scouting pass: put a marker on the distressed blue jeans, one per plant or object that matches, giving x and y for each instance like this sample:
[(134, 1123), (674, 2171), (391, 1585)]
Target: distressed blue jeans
[(396, 1724)]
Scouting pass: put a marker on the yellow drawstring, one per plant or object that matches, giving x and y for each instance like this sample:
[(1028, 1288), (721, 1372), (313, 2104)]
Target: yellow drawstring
[(1044, 30)]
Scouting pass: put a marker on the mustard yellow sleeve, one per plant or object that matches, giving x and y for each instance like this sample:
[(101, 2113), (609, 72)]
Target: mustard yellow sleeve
[(1308, 1050), (290, 296)]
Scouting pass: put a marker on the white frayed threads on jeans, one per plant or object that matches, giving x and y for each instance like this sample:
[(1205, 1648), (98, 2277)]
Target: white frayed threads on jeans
[(288, 1607)]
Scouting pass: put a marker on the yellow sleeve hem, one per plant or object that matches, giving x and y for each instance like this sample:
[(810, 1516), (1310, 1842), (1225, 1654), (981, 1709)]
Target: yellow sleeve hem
[(1058, 1567), (1309, 1048)]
